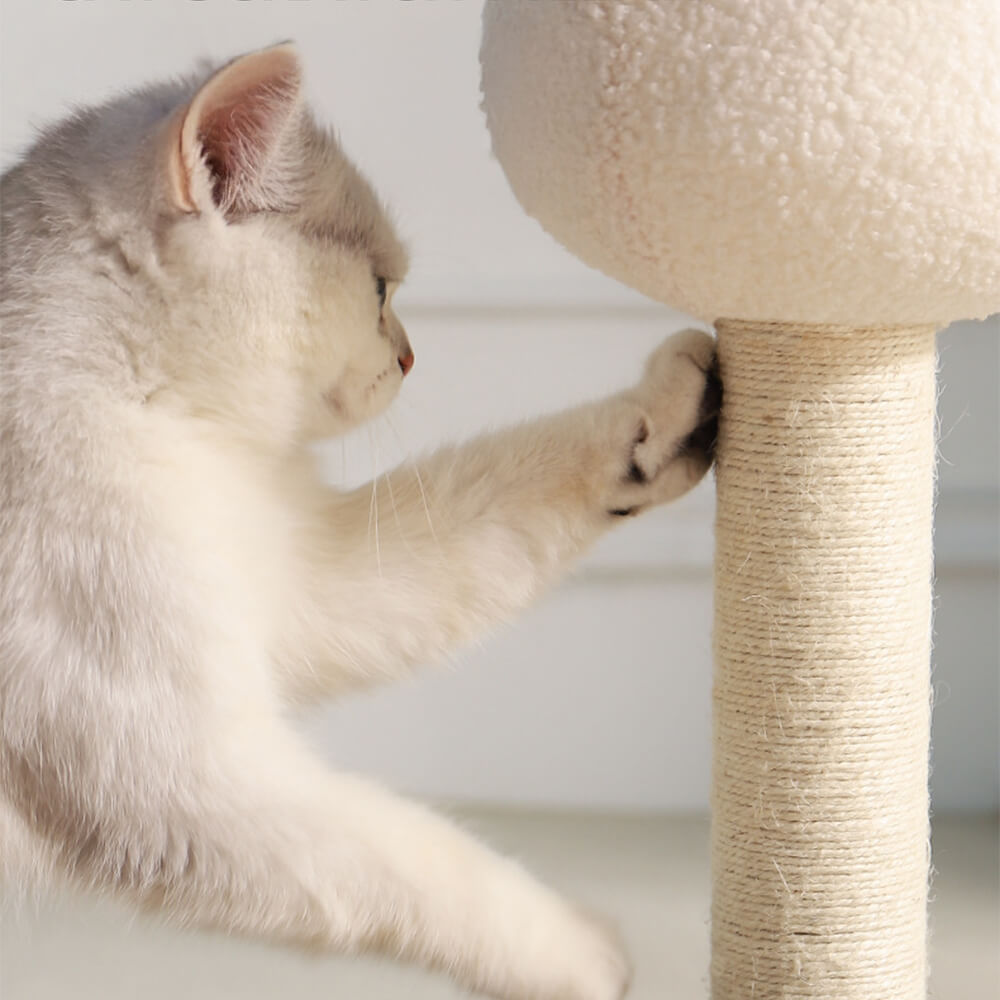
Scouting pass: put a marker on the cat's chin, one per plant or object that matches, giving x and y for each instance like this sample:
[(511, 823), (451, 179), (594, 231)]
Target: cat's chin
[(345, 410)]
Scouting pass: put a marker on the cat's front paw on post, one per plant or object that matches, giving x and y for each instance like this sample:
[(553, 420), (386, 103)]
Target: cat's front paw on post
[(674, 422)]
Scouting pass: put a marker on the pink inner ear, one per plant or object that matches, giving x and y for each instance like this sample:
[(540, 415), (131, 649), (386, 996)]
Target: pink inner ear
[(234, 124), (237, 136)]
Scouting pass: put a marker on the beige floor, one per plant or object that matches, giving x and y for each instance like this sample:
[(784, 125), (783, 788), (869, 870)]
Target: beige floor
[(650, 874)]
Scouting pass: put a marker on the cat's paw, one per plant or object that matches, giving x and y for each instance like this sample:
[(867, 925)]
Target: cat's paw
[(585, 960), (674, 422), (611, 971), (539, 946)]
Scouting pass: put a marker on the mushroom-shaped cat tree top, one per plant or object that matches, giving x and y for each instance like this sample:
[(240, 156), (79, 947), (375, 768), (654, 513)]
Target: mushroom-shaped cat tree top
[(830, 161), (821, 180)]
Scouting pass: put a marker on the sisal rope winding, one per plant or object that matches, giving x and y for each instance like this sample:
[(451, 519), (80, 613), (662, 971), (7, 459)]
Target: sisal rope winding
[(822, 646)]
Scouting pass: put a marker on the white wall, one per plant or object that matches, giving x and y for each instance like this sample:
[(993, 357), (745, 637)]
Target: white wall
[(600, 696)]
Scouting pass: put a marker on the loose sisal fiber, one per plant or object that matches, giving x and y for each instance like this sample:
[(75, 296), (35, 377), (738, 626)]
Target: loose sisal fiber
[(822, 646)]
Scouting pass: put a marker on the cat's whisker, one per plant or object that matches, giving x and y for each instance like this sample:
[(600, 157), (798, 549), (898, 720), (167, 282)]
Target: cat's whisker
[(423, 501), (373, 509), (415, 466), (373, 430), (392, 493), (392, 500), (371, 513)]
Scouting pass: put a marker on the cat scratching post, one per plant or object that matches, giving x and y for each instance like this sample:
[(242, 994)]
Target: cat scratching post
[(825, 177)]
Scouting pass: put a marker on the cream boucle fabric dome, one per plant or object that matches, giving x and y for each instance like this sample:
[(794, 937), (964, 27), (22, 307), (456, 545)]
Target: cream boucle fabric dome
[(828, 161)]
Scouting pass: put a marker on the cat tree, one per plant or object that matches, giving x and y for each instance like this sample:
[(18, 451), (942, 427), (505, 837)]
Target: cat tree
[(822, 180)]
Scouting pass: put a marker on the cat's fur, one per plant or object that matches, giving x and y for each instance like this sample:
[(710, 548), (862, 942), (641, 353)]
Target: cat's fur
[(189, 297)]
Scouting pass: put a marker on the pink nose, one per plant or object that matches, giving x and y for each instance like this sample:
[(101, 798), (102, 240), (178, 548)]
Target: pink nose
[(406, 362)]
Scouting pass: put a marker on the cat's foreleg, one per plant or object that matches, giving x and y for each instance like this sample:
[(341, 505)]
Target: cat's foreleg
[(429, 557), (265, 842)]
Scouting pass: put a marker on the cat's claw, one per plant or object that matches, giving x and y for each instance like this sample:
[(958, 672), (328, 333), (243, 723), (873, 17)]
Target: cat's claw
[(702, 440)]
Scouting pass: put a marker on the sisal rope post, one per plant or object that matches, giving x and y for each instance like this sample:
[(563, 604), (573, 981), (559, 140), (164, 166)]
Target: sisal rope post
[(822, 644)]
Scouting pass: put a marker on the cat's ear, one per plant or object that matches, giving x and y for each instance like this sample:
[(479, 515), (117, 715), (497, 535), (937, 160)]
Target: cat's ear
[(233, 145)]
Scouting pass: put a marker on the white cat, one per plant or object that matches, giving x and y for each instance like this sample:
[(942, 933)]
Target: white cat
[(196, 283)]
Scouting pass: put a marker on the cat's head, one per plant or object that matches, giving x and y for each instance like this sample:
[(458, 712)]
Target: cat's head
[(251, 251)]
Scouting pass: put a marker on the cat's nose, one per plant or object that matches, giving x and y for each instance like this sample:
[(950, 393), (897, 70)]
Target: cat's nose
[(406, 362)]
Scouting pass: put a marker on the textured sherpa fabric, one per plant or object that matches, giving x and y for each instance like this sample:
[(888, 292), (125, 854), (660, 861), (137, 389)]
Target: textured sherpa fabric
[(824, 161)]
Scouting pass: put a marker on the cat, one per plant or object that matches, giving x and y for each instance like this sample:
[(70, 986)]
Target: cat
[(196, 285)]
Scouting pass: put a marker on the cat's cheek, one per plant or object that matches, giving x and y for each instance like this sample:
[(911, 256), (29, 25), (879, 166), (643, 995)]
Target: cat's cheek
[(378, 394), (334, 405), (352, 402), (387, 390)]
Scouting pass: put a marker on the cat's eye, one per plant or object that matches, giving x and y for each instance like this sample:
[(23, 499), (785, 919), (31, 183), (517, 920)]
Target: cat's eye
[(380, 291)]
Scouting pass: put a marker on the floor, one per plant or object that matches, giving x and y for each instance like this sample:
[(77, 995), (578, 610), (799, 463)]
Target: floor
[(651, 874)]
